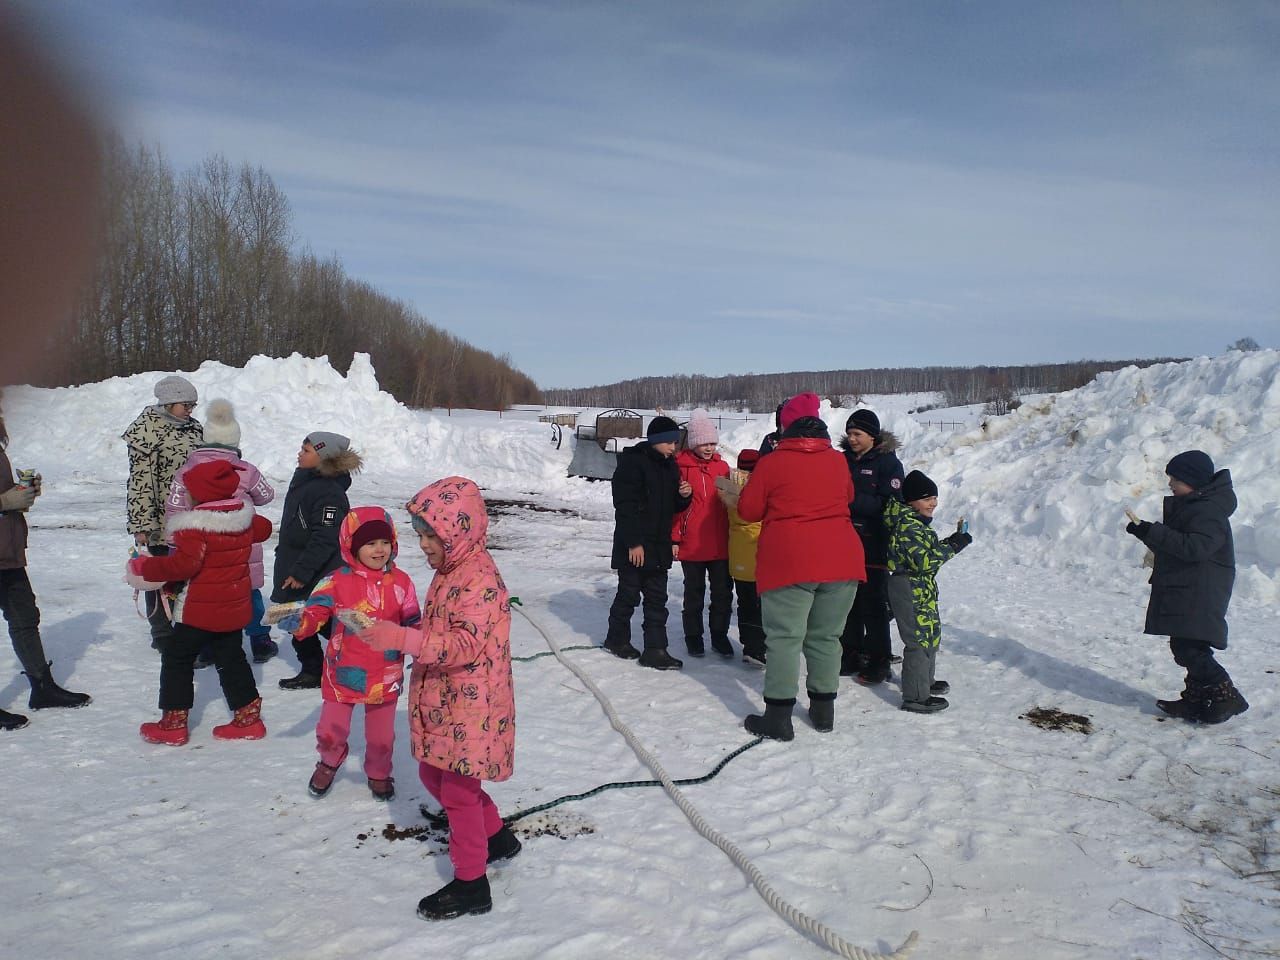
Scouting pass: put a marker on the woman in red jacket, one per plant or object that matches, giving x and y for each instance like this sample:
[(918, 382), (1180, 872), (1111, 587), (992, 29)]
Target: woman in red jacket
[(700, 539), (807, 568), (212, 545)]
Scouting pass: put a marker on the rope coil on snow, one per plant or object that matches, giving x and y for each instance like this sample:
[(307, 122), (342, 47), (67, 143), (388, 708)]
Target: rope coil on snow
[(801, 921)]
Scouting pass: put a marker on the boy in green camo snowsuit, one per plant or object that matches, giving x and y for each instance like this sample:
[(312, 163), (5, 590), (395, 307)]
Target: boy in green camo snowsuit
[(915, 554)]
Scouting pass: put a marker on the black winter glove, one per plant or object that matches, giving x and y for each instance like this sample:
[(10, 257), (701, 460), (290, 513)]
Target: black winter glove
[(959, 541), (1140, 529)]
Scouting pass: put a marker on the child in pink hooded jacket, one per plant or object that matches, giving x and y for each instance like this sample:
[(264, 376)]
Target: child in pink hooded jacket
[(461, 701), (369, 586)]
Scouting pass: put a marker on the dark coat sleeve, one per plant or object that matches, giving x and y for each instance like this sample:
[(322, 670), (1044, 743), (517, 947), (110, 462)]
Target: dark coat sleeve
[(1204, 536), (629, 498), (324, 510)]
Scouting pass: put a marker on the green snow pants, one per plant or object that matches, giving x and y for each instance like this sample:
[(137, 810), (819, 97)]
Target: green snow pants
[(808, 618)]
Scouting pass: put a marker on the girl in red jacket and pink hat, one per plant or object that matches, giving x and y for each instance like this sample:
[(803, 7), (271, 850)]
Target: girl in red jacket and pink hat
[(461, 702), (212, 546), (369, 586), (700, 538)]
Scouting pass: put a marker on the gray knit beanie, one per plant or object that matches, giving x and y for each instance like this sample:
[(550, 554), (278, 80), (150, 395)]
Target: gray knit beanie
[(328, 445), (175, 389)]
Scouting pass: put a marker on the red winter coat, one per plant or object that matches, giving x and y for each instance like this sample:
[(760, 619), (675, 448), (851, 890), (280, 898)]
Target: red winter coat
[(702, 531), (211, 551), (802, 491)]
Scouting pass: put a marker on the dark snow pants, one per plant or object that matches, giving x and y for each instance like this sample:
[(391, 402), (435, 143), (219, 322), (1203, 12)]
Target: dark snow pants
[(750, 619), (18, 603), (177, 667), (696, 575), (866, 631), (1196, 657), (634, 583)]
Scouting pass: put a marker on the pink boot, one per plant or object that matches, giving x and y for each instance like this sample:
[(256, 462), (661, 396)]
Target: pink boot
[(245, 725), (171, 729)]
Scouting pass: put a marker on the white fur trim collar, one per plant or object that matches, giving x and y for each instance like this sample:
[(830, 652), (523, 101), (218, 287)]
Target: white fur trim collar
[(213, 517)]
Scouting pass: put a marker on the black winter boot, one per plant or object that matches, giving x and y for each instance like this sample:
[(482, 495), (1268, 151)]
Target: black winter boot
[(1221, 702), (46, 693), (1187, 706), (503, 845), (306, 679), (776, 722), (12, 721), (457, 898), (657, 658), (822, 711)]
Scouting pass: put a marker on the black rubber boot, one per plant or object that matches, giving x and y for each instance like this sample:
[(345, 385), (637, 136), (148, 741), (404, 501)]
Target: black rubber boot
[(776, 722), (503, 845), (1221, 702), (657, 658), (457, 898), (12, 721), (46, 693), (822, 711), (623, 651)]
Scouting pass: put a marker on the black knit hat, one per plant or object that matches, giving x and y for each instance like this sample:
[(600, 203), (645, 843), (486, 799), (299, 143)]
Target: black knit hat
[(916, 486), (1192, 467), (663, 430), (864, 420)]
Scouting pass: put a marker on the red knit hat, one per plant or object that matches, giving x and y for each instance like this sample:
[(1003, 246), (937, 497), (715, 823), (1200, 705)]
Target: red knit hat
[(214, 480), (748, 458), (801, 405), (369, 531)]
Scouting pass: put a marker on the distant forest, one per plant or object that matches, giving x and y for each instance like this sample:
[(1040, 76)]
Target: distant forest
[(201, 265), (997, 386)]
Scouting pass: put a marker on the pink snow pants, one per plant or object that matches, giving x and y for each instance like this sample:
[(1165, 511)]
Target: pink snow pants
[(473, 818), (379, 735)]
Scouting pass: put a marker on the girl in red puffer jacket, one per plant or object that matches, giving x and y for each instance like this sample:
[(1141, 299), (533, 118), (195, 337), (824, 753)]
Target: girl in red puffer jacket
[(212, 546), (700, 539)]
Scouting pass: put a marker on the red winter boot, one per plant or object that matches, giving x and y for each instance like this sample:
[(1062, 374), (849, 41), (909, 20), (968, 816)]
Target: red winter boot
[(171, 729), (245, 725)]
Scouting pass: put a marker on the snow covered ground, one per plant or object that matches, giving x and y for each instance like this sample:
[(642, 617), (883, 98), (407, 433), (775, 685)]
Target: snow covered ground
[(991, 836)]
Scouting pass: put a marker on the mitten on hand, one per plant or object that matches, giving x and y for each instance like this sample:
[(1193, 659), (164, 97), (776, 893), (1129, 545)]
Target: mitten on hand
[(1139, 528), (17, 499), (959, 541)]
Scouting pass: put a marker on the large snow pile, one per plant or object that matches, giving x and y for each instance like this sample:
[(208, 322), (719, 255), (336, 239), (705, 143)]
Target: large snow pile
[(73, 433)]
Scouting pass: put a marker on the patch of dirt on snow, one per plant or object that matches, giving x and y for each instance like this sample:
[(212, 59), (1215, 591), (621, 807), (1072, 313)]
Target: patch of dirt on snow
[(1051, 718), (497, 508)]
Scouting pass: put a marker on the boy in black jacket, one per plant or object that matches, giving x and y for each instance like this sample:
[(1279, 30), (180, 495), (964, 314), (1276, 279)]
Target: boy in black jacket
[(647, 494), (1191, 582), (308, 549), (877, 478)]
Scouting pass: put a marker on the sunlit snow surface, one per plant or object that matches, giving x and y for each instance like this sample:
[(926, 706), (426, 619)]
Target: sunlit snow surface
[(992, 837)]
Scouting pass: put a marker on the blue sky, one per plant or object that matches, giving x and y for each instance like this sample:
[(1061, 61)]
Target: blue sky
[(615, 189)]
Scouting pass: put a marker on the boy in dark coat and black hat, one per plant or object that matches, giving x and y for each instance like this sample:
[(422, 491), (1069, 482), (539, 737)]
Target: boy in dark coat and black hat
[(877, 477), (647, 494), (1191, 582), (314, 509)]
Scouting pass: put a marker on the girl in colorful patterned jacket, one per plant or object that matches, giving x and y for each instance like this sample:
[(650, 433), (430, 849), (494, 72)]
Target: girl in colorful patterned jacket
[(212, 545), (461, 702), (368, 587)]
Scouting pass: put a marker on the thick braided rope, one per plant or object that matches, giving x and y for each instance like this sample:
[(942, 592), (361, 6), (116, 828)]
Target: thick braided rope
[(801, 921)]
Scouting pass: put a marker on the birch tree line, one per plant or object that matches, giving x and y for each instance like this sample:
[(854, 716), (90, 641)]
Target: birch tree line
[(202, 265), (959, 386)]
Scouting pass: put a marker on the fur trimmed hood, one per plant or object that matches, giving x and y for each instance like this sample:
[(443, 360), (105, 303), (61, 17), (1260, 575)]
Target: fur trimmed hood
[(348, 462), (888, 443), (216, 516)]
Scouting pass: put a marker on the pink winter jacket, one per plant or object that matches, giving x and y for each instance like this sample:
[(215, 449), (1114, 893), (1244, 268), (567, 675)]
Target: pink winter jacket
[(253, 490), (353, 671), (462, 712)]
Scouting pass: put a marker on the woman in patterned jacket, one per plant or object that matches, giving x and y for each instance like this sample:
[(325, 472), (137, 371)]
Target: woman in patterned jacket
[(461, 702)]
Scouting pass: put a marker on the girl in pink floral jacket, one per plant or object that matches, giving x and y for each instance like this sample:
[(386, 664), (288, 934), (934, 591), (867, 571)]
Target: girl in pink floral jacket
[(369, 586), (461, 702)]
